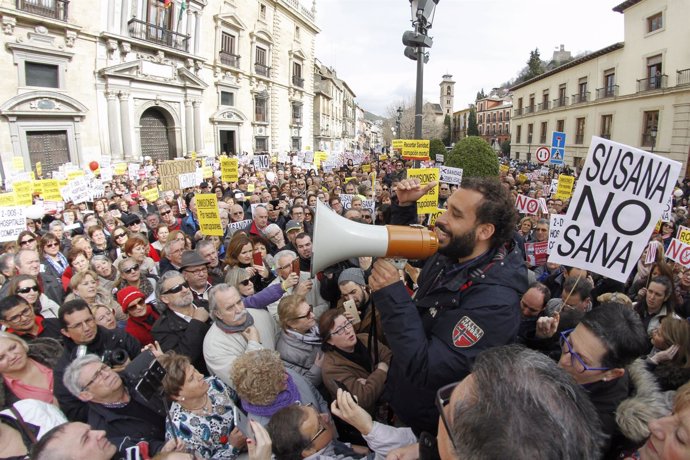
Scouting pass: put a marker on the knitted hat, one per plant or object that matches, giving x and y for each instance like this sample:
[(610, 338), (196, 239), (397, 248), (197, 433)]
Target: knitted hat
[(356, 275), (128, 295)]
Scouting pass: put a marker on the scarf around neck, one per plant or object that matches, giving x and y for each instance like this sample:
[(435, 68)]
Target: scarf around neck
[(249, 321), (312, 336), (285, 398)]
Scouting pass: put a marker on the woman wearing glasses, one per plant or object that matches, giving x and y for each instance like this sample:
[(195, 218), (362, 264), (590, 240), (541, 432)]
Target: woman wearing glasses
[(131, 276), (349, 361), (28, 288), (55, 262), (137, 248), (27, 240), (120, 235), (140, 314), (299, 343), (598, 354)]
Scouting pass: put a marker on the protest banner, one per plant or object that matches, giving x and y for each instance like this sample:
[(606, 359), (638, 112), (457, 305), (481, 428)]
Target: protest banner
[(415, 149), (188, 180), (23, 190), (565, 187), (207, 172), (107, 173), (169, 172), (619, 197), (451, 175), (556, 226), (240, 225), (309, 157), (429, 201), (120, 169), (679, 252), (366, 168), (544, 171), (96, 189), (370, 205), (668, 208), (71, 175), (684, 234), (542, 206), (8, 199), (79, 190), (554, 187), (526, 205), (151, 195), (229, 169), (433, 216), (346, 200), (283, 157), (12, 223), (262, 162), (209, 217), (536, 253)]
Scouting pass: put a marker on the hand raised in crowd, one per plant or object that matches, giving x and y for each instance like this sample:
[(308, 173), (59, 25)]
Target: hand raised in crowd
[(365, 262), (291, 281), (260, 446), (665, 355), (261, 270), (547, 326), (251, 333), (345, 408), (200, 314), (303, 287), (383, 275), (410, 190), (154, 348)]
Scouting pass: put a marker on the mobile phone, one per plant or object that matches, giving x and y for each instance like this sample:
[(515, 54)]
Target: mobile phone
[(340, 385), (258, 259), (351, 308), (242, 422), (295, 266)]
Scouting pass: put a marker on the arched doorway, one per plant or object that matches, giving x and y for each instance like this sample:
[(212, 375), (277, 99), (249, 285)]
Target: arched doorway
[(154, 136)]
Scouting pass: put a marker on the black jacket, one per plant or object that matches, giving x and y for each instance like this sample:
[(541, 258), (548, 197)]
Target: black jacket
[(106, 339), (174, 333), (436, 336)]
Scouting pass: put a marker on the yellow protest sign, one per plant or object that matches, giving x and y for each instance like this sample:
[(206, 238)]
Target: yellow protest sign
[(74, 174), (383, 157), (683, 234), (51, 190), (8, 199), (120, 169), (565, 187), (207, 172), (429, 202), (522, 178), (207, 211), (18, 163), (39, 168), (193, 155), (504, 168), (435, 215), (228, 169), (23, 190), (37, 186), (151, 194), (250, 188), (366, 168), (415, 149)]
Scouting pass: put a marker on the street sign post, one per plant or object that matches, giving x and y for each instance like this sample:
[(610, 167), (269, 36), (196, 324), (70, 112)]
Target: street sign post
[(543, 154)]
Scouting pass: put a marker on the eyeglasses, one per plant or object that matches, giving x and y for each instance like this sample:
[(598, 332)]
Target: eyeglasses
[(136, 222), (285, 266), (83, 324), (95, 377), (131, 269), (177, 288), (322, 430), (342, 329), (163, 213), (442, 400), (575, 360), (29, 241), (22, 314), (246, 282), (309, 313), (26, 290), (140, 303), (51, 245)]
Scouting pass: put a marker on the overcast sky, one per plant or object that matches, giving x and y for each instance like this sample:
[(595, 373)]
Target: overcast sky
[(482, 43)]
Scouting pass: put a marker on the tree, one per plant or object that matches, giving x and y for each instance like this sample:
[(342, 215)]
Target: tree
[(505, 147), (475, 156), (480, 94), (436, 147), (447, 131), (472, 129)]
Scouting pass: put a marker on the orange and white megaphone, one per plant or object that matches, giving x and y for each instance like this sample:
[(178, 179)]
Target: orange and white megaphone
[(337, 239)]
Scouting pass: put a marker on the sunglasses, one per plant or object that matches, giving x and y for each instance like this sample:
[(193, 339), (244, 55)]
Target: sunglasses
[(29, 241), (246, 282), (51, 245), (137, 222), (309, 313), (26, 290), (176, 289), (442, 400), (140, 303), (163, 213), (118, 236), (131, 269)]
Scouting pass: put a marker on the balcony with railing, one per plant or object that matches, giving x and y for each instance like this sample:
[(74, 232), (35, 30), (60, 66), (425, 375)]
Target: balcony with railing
[(647, 139), (609, 91), (159, 35), (580, 98), (683, 77), (55, 9), (229, 59), (297, 81), (262, 69), (529, 109), (652, 83), (560, 102), (546, 105), (518, 111)]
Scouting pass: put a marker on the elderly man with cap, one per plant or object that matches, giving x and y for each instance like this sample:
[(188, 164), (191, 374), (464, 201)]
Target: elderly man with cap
[(292, 229), (194, 268)]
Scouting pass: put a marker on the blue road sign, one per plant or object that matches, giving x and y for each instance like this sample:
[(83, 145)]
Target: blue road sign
[(557, 148)]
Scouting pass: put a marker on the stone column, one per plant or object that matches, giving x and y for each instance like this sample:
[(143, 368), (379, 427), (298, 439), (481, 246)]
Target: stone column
[(126, 126), (189, 125), (198, 135), (114, 126), (197, 32)]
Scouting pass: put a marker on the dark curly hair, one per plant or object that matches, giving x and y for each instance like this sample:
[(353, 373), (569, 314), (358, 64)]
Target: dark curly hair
[(496, 208)]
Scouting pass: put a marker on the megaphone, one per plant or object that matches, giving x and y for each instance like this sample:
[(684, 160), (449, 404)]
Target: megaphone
[(337, 239)]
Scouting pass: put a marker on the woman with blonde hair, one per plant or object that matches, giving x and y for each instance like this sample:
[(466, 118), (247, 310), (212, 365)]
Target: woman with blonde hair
[(670, 357), (86, 286)]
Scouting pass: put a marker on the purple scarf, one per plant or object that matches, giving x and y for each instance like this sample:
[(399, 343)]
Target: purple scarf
[(285, 398)]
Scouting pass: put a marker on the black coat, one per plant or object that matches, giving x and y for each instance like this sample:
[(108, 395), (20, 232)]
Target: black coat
[(106, 339), (186, 338)]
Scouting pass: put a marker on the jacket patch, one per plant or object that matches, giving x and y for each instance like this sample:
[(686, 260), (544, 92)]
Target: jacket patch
[(466, 333)]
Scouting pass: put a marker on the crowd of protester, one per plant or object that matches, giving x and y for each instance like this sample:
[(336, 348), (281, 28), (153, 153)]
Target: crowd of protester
[(472, 354)]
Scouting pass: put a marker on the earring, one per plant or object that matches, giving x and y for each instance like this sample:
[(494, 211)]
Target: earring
[(182, 398)]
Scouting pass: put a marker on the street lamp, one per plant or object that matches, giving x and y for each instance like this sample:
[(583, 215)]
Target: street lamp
[(652, 133), (415, 41), (398, 121)]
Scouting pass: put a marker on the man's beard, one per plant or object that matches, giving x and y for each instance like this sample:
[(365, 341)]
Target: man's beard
[(458, 246)]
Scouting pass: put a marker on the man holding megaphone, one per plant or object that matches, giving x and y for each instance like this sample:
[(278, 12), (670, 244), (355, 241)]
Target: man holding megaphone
[(468, 297)]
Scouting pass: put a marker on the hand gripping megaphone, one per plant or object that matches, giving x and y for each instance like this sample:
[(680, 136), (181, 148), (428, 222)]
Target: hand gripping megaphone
[(337, 239)]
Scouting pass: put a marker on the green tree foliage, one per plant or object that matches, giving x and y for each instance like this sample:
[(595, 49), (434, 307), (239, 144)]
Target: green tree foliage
[(472, 129), (505, 147), (447, 131), (436, 147), (475, 156), (480, 95)]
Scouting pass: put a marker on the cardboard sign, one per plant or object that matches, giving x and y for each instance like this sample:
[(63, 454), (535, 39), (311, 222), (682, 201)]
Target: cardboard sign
[(565, 187), (170, 171), (262, 162), (620, 195), (79, 190), (188, 180), (346, 200), (229, 169), (556, 226), (451, 175), (151, 194), (503, 169), (8, 199), (415, 149), (24, 191), (429, 202), (18, 164), (120, 169), (679, 252), (684, 234), (207, 212), (668, 208), (536, 253), (435, 215), (12, 223), (107, 173), (527, 205), (240, 225)]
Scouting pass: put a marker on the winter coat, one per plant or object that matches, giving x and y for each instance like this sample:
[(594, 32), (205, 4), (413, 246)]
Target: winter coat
[(186, 338), (300, 356)]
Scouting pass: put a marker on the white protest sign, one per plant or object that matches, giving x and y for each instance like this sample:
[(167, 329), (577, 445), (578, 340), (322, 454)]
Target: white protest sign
[(542, 205), (262, 162), (526, 205), (666, 214), (97, 189), (544, 171), (12, 223), (619, 197), (106, 173), (451, 175), (187, 180), (679, 252), (309, 157), (79, 190), (346, 200), (133, 171), (283, 157), (369, 204), (556, 225), (240, 225), (554, 187)]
